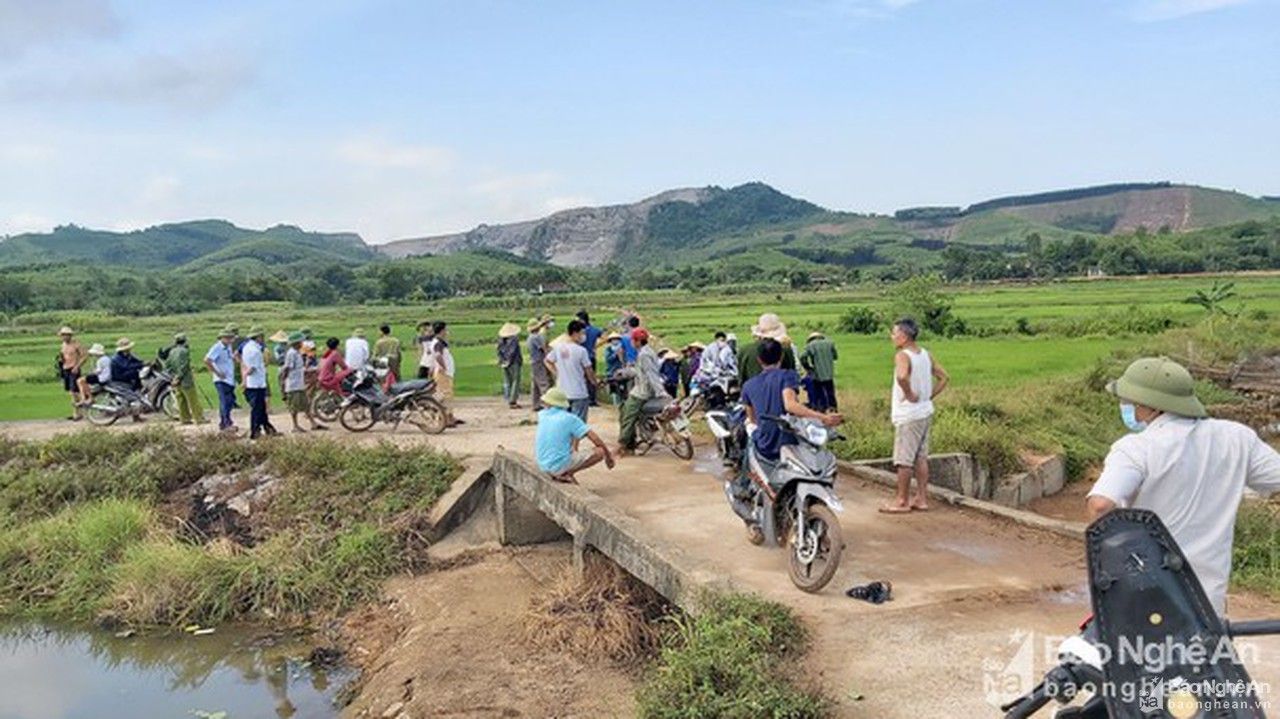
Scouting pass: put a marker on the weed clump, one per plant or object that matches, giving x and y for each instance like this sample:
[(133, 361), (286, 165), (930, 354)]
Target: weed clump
[(731, 661)]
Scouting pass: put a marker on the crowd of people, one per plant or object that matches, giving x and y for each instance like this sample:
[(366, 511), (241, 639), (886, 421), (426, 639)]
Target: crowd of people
[(1189, 469), (242, 360)]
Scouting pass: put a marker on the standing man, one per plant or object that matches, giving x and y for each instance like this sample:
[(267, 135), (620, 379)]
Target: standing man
[(613, 363), (221, 361), (629, 350), (425, 359), (917, 379), (293, 383), (178, 364), (253, 368), (648, 390), (1190, 470), (357, 354), (388, 347), (819, 360), (510, 359), (540, 377), (70, 357), (768, 327), (575, 376), (590, 338), (444, 370), (557, 442)]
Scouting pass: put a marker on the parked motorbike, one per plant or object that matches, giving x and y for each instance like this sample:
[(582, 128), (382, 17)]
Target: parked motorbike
[(412, 401), (114, 400), (710, 395), (1146, 595), (664, 424), (791, 502), (326, 404)]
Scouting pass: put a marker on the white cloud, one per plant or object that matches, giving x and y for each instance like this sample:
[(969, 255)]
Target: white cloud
[(855, 8), (1156, 10), (378, 153), (567, 202), (194, 81), (26, 222), (160, 189), (25, 24)]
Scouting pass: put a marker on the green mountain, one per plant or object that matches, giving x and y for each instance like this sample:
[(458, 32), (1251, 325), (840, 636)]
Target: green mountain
[(688, 226), (196, 245)]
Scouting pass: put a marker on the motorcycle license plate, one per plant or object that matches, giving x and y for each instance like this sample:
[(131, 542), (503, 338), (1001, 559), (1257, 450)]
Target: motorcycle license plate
[(680, 424)]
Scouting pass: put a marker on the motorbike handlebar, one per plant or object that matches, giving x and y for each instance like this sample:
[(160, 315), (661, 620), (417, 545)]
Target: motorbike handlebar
[(1027, 705), (1253, 628)]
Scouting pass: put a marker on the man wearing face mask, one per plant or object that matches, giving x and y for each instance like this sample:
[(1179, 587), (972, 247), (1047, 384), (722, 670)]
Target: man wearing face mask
[(1188, 469)]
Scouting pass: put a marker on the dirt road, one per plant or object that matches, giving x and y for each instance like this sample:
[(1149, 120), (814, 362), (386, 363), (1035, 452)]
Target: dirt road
[(969, 589)]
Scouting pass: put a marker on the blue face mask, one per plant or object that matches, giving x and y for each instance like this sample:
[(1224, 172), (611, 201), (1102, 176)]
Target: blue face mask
[(1129, 415)]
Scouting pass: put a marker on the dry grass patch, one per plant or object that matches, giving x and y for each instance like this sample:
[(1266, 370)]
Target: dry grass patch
[(605, 614)]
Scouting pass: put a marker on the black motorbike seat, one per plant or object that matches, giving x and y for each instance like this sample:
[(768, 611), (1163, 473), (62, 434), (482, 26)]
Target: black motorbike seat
[(412, 385)]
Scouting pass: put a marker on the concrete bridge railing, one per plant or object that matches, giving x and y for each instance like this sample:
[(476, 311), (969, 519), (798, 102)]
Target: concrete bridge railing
[(532, 509)]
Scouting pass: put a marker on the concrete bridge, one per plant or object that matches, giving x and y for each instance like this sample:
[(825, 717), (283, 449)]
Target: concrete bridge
[(529, 508)]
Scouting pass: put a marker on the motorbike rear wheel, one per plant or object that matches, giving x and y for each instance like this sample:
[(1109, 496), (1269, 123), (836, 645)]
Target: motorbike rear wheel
[(105, 410), (357, 417), (428, 415), (813, 551), (325, 405)]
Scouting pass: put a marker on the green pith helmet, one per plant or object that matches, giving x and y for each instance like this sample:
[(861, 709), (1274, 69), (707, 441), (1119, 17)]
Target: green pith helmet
[(256, 331), (180, 337), (555, 397), (296, 337), (1159, 383)]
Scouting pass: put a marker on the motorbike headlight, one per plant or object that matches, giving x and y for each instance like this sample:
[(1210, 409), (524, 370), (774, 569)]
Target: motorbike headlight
[(816, 434)]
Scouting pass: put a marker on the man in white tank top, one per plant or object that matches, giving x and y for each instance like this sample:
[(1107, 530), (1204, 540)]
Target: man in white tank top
[(917, 379)]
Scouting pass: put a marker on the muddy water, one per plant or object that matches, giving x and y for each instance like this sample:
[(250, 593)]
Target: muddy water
[(71, 673)]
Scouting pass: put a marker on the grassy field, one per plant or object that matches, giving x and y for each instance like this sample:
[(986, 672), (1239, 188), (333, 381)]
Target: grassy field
[(1004, 358)]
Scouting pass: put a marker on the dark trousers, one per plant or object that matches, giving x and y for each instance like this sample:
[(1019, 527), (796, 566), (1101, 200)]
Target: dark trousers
[(258, 420), (823, 397), (591, 389), (226, 401)]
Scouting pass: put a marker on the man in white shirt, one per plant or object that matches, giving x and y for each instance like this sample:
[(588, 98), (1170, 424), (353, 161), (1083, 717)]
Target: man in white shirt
[(917, 379), (571, 365), (1191, 471), (357, 350), (253, 367), (444, 370)]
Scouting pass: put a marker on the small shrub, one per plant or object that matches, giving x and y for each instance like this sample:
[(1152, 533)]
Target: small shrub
[(860, 320)]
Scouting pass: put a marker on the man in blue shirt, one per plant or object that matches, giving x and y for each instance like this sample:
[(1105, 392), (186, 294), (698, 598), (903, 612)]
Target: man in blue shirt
[(629, 349), (772, 393), (253, 366), (559, 434), (590, 338), (221, 361)]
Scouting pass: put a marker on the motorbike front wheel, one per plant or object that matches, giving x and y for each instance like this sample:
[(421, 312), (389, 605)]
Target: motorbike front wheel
[(326, 405), (814, 552), (357, 417), (105, 410), (681, 446), (168, 404)]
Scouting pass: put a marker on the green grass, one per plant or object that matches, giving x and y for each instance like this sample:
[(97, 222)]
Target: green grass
[(734, 660), (1256, 554), (84, 537), (1061, 312)]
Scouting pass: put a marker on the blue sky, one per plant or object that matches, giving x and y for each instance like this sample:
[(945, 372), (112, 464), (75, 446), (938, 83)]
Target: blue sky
[(397, 119)]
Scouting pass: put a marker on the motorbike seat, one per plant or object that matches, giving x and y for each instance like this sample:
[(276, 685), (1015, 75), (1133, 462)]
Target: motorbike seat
[(655, 407), (411, 385)]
